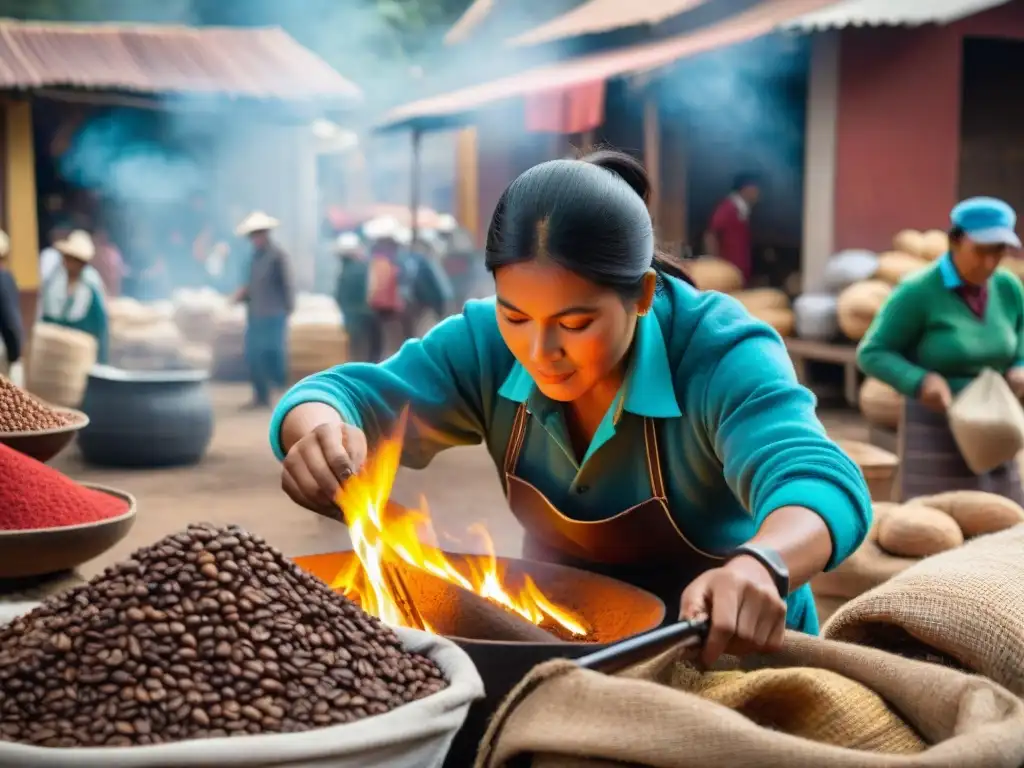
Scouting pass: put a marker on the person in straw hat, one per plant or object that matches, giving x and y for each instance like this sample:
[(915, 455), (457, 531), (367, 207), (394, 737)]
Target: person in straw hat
[(350, 293), (10, 310), (72, 299), (270, 296)]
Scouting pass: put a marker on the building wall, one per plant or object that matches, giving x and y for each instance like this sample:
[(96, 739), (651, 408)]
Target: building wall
[(898, 125)]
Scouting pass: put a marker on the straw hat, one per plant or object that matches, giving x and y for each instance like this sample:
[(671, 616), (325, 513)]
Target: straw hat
[(5, 244), (77, 245), (387, 228), (257, 221), (348, 243)]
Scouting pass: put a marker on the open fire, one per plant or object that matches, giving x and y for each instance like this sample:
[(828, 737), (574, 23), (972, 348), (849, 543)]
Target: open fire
[(385, 534)]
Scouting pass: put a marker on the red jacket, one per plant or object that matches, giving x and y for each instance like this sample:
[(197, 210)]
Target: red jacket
[(731, 228)]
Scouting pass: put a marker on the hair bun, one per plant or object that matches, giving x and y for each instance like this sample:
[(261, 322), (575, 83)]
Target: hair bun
[(626, 167)]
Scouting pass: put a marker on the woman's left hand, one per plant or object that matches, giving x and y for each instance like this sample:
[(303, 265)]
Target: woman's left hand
[(743, 603), (1015, 378)]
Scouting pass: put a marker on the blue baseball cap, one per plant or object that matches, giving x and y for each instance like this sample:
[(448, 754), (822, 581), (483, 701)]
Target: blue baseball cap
[(987, 221)]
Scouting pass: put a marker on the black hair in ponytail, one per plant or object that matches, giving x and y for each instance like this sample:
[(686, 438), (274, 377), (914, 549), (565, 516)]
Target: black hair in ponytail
[(594, 219)]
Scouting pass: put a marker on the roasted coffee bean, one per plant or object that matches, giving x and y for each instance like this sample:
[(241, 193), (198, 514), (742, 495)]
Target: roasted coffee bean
[(209, 633)]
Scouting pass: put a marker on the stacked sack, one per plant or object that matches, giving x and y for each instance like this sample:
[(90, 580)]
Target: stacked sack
[(769, 305), (229, 343), (59, 364), (903, 534), (316, 336), (143, 336)]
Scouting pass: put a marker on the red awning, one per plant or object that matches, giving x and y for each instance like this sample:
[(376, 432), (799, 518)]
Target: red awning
[(457, 107)]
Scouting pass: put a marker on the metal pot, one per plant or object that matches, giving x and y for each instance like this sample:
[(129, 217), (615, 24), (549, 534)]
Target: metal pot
[(146, 418)]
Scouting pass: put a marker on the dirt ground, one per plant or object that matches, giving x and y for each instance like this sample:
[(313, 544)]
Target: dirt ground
[(238, 482)]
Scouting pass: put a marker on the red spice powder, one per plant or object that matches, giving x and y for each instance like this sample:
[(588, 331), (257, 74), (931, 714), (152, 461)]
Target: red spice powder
[(33, 496)]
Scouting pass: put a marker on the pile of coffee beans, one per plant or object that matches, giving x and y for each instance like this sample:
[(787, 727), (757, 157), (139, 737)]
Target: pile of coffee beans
[(20, 412), (210, 632)]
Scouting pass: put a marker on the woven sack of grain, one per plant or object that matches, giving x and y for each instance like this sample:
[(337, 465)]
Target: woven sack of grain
[(866, 568), (815, 703), (964, 607), (849, 267), (988, 422), (816, 316), (229, 345), (880, 404), (415, 735), (915, 530), (934, 243), (909, 241), (315, 347), (195, 313), (58, 368), (197, 356), (159, 336), (782, 320), (976, 512), (711, 274), (857, 306), (894, 266), (757, 299)]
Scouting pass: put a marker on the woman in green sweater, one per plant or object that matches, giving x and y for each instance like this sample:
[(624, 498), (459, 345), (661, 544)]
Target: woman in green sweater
[(940, 328)]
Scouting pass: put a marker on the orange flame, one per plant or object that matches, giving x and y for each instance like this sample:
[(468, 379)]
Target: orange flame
[(383, 532)]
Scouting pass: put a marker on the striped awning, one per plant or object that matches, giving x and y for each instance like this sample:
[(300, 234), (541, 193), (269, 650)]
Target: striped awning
[(862, 13)]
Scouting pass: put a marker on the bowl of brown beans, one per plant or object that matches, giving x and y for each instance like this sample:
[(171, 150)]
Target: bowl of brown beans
[(33, 427)]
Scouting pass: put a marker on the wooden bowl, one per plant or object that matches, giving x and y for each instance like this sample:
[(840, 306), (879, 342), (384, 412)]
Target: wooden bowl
[(50, 550), (43, 445)]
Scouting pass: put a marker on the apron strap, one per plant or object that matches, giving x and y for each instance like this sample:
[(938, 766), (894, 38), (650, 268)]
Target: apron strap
[(653, 460), (516, 439)]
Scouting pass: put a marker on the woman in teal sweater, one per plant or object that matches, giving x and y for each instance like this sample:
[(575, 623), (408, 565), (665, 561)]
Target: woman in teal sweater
[(641, 428), (938, 330)]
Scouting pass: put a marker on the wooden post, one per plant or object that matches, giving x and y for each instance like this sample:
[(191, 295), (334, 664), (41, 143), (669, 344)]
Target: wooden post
[(652, 151), (20, 194), (414, 196), (467, 180)]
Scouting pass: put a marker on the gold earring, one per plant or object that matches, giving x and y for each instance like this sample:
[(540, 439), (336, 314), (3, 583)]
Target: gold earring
[(642, 312)]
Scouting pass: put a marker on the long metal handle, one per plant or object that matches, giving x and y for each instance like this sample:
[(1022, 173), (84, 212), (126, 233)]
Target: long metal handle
[(617, 657)]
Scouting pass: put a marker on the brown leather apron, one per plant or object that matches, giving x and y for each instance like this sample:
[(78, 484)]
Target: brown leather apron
[(642, 545)]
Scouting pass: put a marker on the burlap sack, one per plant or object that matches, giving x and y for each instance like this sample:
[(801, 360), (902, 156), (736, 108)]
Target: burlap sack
[(965, 605), (711, 274), (565, 716), (988, 423), (909, 241), (866, 568), (782, 320), (976, 512), (757, 299), (895, 266), (858, 305), (880, 404)]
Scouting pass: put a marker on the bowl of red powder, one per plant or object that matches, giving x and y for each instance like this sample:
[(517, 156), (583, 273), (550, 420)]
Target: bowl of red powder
[(49, 523), (34, 428)]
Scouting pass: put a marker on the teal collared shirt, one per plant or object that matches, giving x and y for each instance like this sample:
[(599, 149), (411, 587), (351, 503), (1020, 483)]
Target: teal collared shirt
[(947, 269), (739, 437)]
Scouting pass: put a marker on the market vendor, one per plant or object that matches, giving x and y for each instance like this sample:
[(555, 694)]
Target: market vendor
[(938, 330), (71, 298), (641, 428)]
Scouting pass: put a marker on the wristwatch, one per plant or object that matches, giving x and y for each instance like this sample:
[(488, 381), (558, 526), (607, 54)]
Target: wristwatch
[(770, 559)]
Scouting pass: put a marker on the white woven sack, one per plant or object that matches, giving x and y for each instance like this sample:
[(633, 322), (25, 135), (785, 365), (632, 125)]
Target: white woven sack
[(416, 735), (849, 267), (816, 316), (59, 363), (988, 423)]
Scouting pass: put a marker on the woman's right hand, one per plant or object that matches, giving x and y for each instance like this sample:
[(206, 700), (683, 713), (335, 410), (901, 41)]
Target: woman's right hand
[(935, 393), (319, 462)]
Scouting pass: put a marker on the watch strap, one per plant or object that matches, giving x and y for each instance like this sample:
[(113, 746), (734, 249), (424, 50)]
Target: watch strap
[(771, 560)]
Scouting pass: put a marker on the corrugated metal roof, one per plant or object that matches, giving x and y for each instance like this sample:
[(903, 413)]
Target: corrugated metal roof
[(605, 15), (846, 13), (457, 107), (470, 19), (254, 63)]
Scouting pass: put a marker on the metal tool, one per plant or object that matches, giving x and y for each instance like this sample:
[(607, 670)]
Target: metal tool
[(615, 658)]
